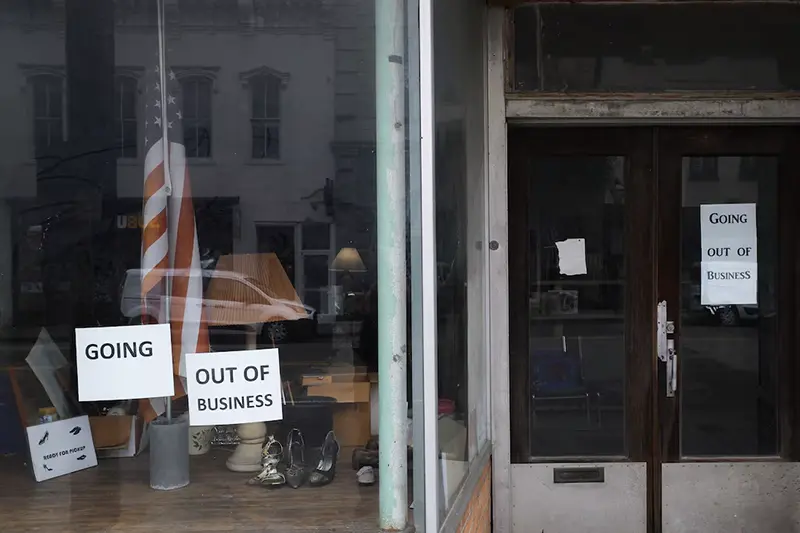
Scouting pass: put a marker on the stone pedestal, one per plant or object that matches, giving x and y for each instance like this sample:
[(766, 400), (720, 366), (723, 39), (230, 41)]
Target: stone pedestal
[(247, 456)]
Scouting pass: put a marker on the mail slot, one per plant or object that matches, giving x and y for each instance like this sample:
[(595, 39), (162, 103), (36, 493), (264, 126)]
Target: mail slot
[(579, 475)]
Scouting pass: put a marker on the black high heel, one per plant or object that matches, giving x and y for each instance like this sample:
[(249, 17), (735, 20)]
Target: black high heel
[(296, 471), (326, 467)]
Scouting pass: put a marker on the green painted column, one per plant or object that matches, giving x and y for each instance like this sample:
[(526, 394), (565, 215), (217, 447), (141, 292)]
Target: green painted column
[(391, 205)]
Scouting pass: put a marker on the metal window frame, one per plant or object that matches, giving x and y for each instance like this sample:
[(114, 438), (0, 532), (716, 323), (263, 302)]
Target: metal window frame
[(422, 198)]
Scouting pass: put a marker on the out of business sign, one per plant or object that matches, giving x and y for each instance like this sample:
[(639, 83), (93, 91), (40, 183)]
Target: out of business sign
[(729, 267), (237, 387), (61, 447), (124, 362)]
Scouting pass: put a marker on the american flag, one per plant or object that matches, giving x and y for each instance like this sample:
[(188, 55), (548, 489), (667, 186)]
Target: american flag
[(169, 237)]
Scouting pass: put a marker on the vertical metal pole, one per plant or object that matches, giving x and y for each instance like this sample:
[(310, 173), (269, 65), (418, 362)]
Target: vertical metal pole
[(162, 64), (428, 271), (391, 205)]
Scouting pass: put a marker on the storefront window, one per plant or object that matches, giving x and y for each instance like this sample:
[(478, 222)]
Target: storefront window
[(460, 245), (216, 166)]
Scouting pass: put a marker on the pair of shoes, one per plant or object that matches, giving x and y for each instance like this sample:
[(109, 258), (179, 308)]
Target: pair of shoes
[(271, 455), (326, 467)]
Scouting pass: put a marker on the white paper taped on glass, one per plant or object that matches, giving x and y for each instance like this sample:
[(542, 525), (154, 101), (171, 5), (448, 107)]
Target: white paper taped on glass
[(729, 267), (571, 257)]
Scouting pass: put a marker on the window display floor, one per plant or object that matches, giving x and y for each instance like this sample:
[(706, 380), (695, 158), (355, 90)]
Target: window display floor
[(116, 497)]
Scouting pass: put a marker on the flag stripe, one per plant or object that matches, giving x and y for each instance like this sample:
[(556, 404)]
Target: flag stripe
[(169, 237)]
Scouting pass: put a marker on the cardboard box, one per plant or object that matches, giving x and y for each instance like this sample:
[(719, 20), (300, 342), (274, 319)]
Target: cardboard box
[(342, 392), (336, 374), (351, 423), (117, 436), (309, 380)]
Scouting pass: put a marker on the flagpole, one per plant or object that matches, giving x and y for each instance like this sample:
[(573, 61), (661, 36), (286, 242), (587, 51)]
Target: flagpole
[(162, 47)]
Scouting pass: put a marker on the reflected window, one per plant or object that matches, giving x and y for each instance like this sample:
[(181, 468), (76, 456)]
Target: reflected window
[(125, 120), (48, 113), (197, 116), (703, 169), (265, 116)]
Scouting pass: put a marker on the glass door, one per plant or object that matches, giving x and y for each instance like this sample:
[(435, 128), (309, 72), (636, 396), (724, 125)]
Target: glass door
[(727, 211), (582, 288)]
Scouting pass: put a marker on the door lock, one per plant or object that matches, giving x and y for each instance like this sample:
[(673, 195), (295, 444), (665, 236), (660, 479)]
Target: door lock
[(666, 347)]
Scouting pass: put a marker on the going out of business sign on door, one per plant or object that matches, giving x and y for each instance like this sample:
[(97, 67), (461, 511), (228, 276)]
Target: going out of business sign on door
[(729, 268)]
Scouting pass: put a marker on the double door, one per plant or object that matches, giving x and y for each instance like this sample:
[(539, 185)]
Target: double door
[(653, 329)]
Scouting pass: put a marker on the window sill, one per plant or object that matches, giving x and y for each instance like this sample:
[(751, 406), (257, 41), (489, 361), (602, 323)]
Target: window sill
[(265, 162)]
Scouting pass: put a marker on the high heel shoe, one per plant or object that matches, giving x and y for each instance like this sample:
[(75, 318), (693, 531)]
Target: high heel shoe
[(271, 455), (296, 471), (326, 467)]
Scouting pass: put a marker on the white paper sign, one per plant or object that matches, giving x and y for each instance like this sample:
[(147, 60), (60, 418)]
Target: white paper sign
[(124, 362), (571, 257), (61, 447), (729, 269), (234, 387)]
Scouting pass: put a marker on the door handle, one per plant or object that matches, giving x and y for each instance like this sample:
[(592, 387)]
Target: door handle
[(672, 368)]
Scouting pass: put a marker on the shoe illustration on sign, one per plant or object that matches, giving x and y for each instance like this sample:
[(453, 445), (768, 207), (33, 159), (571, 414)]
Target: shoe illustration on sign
[(61, 447)]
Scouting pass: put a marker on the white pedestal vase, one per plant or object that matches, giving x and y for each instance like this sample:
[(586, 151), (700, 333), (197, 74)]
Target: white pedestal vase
[(247, 456)]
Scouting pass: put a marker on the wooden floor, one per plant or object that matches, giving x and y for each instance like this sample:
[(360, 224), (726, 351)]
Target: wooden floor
[(116, 497)]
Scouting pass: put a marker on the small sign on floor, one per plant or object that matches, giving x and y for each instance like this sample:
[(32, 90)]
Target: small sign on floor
[(61, 447)]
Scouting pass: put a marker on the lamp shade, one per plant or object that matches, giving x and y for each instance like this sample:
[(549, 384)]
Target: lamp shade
[(348, 259)]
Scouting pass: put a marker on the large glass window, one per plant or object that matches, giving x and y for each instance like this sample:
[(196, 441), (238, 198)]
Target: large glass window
[(460, 241), (215, 166)]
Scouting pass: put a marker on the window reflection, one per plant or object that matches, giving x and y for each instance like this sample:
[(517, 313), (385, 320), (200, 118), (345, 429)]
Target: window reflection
[(273, 106)]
